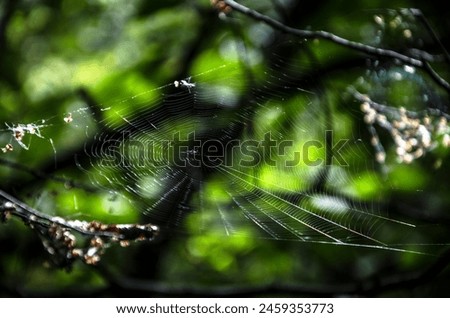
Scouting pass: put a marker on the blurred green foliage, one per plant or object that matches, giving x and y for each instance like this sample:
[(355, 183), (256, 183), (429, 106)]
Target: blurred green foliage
[(123, 53)]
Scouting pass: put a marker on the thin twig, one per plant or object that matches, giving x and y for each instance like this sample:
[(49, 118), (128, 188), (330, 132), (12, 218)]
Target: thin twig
[(371, 50), (435, 76), (418, 14)]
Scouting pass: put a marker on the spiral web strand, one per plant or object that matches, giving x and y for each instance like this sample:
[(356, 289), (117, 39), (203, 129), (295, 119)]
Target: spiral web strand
[(187, 190), (230, 198)]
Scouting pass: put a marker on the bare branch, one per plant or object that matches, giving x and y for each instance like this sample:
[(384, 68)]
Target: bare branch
[(371, 50), (58, 234)]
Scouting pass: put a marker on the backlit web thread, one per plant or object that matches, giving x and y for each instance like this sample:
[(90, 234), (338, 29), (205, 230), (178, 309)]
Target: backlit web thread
[(223, 103), (209, 106), (229, 198), (170, 194)]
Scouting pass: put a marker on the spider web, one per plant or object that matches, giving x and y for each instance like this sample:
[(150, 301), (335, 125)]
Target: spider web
[(195, 155), (156, 153)]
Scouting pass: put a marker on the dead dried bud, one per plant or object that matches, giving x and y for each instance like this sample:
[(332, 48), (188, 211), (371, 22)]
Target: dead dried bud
[(221, 6), (105, 227), (18, 134), (124, 243), (94, 226), (6, 210), (5, 216), (76, 252), (97, 242), (68, 119), (52, 230), (69, 239), (91, 259), (8, 147)]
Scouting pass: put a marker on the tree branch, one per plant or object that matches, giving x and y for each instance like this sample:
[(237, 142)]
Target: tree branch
[(418, 14), (58, 234), (371, 50)]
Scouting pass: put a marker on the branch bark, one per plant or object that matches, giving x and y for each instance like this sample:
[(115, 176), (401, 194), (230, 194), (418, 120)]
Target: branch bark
[(367, 49), (58, 234)]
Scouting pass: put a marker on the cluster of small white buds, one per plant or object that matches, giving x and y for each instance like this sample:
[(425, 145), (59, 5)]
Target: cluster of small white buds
[(414, 135)]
